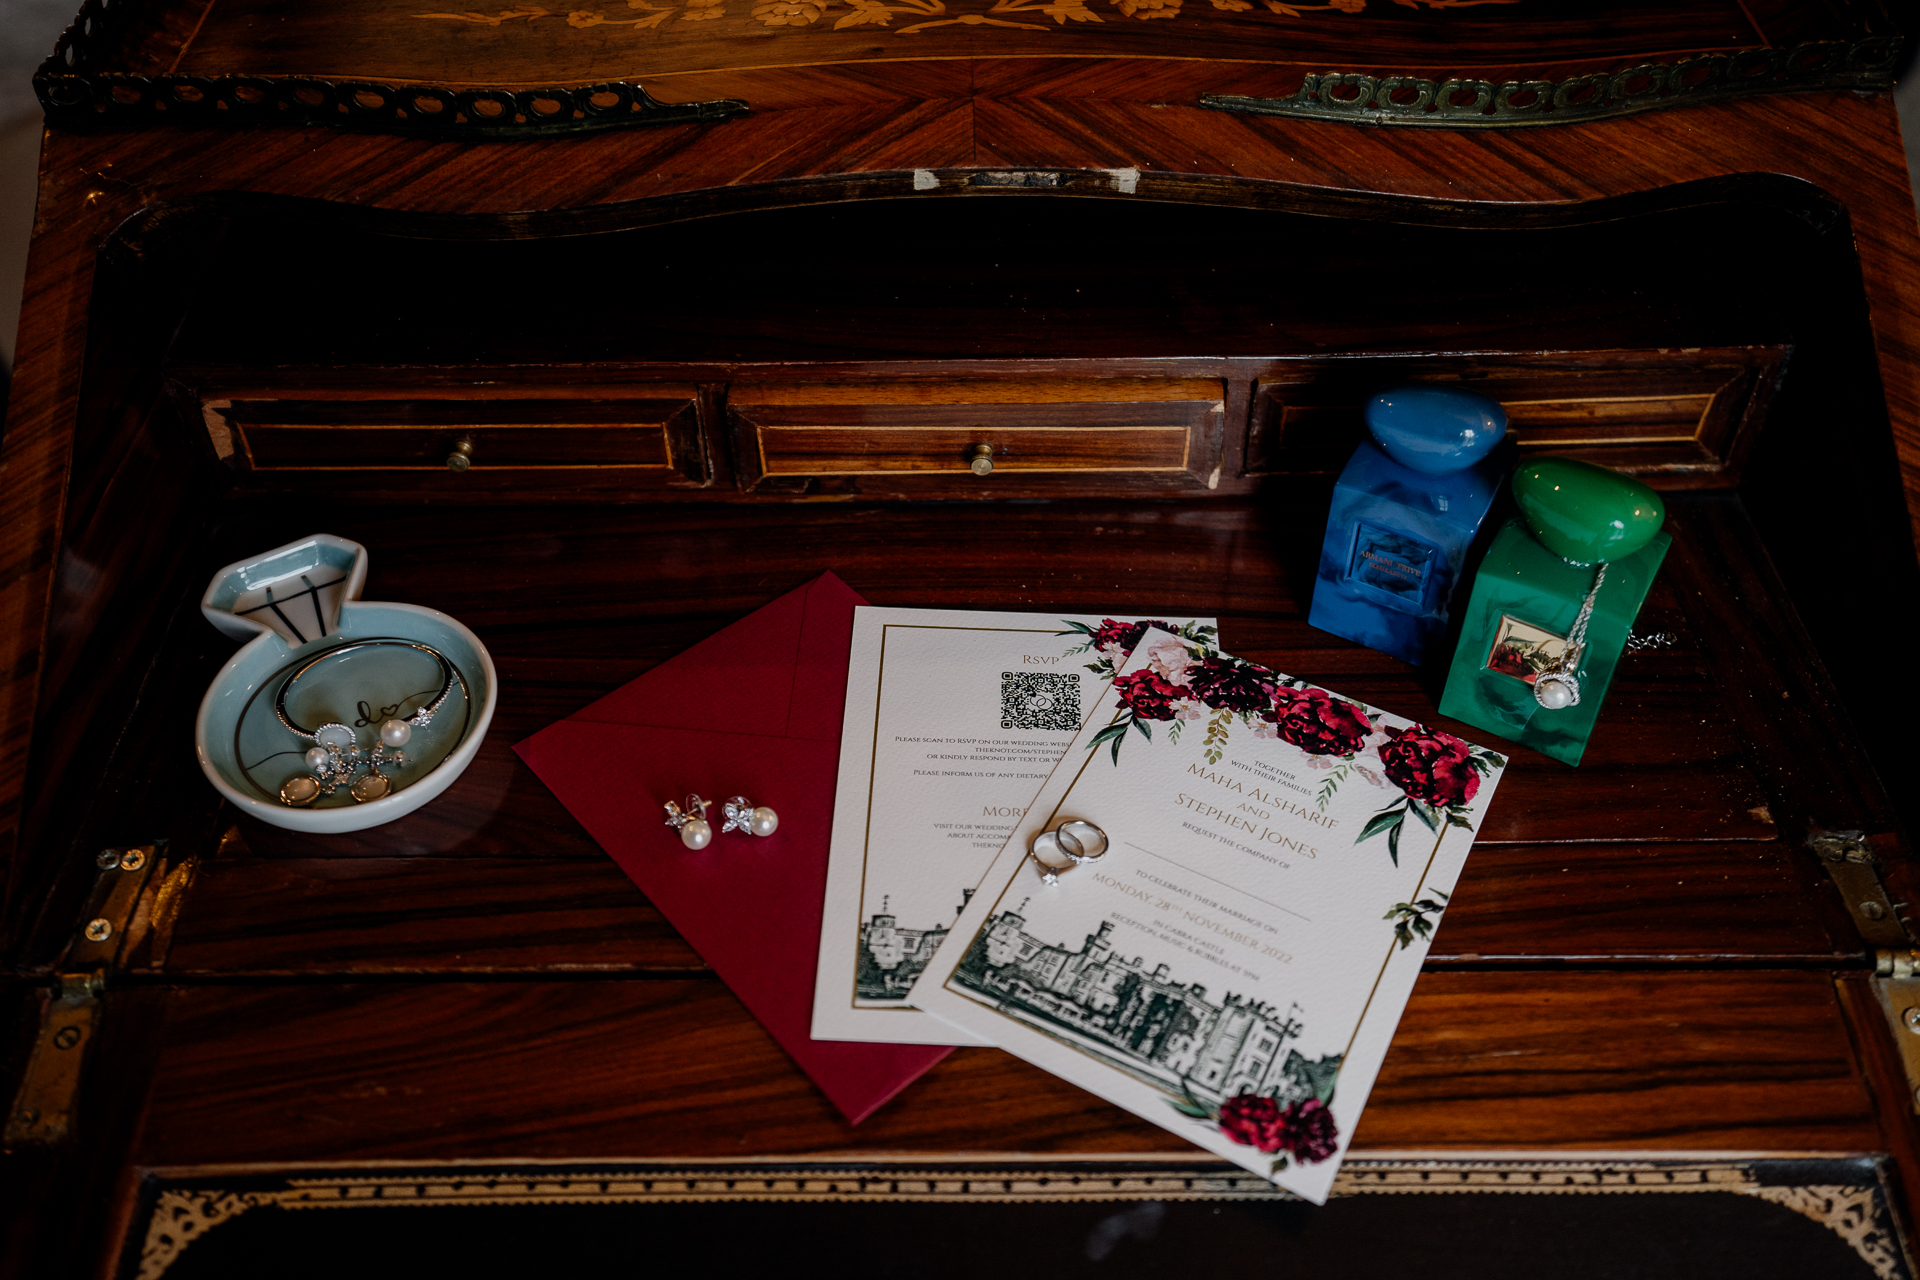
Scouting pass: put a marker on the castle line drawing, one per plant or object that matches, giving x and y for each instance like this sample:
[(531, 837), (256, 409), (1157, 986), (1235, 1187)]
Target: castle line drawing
[(1168, 1032)]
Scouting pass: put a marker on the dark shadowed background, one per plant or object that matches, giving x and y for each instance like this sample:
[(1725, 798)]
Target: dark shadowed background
[(28, 29)]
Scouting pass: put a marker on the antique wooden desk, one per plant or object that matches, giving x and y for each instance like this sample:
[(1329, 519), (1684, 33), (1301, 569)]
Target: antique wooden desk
[(288, 258)]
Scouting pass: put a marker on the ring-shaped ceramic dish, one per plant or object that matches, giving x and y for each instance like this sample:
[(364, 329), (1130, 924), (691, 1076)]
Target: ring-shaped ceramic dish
[(221, 736)]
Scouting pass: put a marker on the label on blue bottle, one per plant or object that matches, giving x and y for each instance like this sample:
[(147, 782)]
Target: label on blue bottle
[(1522, 650), (1391, 562)]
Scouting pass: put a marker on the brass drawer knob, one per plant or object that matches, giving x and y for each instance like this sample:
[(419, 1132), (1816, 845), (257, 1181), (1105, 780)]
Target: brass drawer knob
[(982, 463), (462, 456)]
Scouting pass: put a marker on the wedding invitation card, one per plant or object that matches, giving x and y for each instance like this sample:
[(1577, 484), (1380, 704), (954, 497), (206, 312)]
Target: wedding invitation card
[(1230, 950), (953, 720)]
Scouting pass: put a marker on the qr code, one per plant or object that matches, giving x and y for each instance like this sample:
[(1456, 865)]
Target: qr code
[(1040, 700)]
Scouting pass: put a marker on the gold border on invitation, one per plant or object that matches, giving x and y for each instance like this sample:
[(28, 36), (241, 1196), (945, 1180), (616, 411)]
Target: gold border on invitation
[(873, 766)]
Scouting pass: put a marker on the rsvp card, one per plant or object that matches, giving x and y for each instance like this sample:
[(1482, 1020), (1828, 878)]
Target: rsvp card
[(1233, 964), (953, 721)]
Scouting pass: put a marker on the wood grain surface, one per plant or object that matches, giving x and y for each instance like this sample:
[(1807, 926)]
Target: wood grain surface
[(1599, 905), (361, 40), (1675, 1062), (1639, 962), (571, 610), (1642, 956), (1073, 117)]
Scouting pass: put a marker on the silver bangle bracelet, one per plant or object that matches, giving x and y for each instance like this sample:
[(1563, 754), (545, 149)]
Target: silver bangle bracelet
[(335, 758), (420, 719)]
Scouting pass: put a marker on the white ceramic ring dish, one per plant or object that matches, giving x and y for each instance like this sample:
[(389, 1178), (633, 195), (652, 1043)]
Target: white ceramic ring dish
[(299, 601)]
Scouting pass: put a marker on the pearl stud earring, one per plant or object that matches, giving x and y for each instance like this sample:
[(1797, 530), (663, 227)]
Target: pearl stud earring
[(691, 822), (742, 815)]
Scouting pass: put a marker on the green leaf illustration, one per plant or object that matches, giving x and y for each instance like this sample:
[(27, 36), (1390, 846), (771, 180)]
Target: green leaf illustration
[(1332, 784), (1457, 819), (1425, 813), (1188, 1105), (1393, 842), (1205, 637), (1324, 1089), (1415, 919), (1217, 735), (1380, 822), (1145, 732), (1280, 1163)]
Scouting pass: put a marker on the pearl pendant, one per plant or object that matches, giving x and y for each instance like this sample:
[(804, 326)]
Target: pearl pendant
[(696, 834), (1555, 692), (395, 733), (764, 821)]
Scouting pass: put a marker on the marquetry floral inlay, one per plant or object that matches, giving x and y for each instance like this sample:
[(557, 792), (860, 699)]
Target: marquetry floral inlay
[(922, 15), (650, 15)]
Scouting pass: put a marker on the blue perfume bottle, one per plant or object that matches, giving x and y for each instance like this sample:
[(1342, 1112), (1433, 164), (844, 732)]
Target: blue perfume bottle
[(1405, 512)]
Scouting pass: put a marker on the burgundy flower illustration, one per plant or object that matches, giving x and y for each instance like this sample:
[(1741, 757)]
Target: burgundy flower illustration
[(1319, 724), (1309, 1132), (1306, 1130), (1253, 1121), (1148, 695), (1227, 685), (1117, 639), (1434, 768)]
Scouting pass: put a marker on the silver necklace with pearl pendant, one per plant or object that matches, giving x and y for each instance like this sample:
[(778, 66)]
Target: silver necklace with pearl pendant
[(1558, 685)]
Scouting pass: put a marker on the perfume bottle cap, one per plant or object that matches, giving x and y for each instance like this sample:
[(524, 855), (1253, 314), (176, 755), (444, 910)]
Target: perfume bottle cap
[(1586, 513), (1435, 429)]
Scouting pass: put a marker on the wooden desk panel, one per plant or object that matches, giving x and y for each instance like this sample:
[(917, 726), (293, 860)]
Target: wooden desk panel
[(1521, 905), (1664, 987), (594, 1068), (1667, 764)]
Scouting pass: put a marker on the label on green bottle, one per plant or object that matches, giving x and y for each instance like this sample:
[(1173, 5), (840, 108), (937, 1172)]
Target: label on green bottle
[(1391, 562), (1522, 650)]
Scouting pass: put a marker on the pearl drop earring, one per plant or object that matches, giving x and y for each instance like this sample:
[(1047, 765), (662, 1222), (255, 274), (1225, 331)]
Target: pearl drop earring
[(691, 822), (742, 815)]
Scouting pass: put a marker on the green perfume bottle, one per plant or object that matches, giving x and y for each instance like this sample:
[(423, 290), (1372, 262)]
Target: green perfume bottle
[(1553, 603)]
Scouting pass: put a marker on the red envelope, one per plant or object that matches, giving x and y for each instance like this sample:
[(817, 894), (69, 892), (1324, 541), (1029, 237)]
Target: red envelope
[(755, 710)]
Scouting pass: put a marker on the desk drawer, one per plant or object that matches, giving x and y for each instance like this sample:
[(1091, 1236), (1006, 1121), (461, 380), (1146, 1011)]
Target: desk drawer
[(1125, 431), (465, 438), (1675, 419)]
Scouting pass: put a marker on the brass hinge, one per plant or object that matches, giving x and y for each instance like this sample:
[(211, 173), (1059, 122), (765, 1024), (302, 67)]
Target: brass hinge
[(1850, 864), (42, 1110)]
